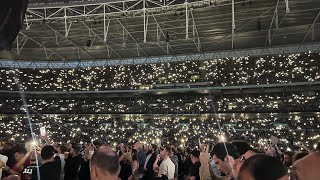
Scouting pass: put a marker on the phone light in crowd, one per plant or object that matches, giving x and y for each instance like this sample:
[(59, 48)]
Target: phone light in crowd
[(158, 140), (222, 138), (34, 143), (288, 149), (182, 140), (114, 144), (315, 146)]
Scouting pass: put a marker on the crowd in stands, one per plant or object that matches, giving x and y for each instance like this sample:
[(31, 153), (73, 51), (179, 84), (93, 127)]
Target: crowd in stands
[(179, 130), (217, 72), (193, 103)]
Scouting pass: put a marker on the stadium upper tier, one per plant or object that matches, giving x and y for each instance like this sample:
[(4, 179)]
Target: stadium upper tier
[(167, 104), (213, 73)]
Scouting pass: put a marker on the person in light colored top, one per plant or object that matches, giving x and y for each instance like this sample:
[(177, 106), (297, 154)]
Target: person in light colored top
[(3, 162), (166, 167)]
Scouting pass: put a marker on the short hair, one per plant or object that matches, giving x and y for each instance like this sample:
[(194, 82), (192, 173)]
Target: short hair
[(168, 149), (299, 155), (242, 146), (195, 153), (154, 147), (106, 160), (20, 150), (63, 149), (47, 152), (76, 148), (221, 148), (263, 167)]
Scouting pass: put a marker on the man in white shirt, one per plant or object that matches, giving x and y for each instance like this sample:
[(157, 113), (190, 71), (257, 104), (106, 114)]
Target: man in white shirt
[(166, 167), (3, 162)]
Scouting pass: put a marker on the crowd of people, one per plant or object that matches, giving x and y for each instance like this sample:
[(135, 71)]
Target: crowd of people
[(217, 72), (137, 161), (179, 130), (193, 103)]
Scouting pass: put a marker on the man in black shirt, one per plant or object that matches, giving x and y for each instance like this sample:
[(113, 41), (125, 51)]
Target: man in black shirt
[(72, 166), (194, 171), (51, 165)]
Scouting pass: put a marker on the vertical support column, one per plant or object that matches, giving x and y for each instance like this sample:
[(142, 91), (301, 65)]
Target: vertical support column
[(287, 6), (187, 20), (144, 22), (18, 51), (276, 17), (27, 22), (233, 25), (65, 22), (312, 33), (105, 26), (158, 34)]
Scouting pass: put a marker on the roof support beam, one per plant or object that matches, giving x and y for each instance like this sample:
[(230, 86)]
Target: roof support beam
[(79, 48), (203, 56), (195, 33), (124, 28), (187, 19), (233, 27), (19, 48), (105, 26), (273, 21), (145, 23), (45, 49), (311, 29)]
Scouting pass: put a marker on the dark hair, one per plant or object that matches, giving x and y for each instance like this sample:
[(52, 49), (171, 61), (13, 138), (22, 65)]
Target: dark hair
[(20, 150), (168, 149), (299, 155), (134, 154), (263, 167), (107, 161), (47, 152), (195, 153), (63, 149), (242, 146), (154, 147), (221, 148), (76, 148)]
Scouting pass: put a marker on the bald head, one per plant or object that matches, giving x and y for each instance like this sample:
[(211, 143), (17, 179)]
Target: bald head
[(105, 162)]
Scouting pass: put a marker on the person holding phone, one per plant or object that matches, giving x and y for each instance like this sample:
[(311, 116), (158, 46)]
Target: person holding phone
[(84, 171)]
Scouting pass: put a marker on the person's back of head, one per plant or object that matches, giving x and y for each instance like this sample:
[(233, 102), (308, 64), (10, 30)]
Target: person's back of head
[(222, 149), (47, 152), (63, 149), (299, 155), (104, 164), (241, 146), (306, 168), (262, 167)]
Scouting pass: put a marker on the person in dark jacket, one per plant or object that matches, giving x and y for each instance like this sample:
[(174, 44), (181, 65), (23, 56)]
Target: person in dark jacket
[(125, 163), (73, 164), (84, 171), (51, 165), (148, 165)]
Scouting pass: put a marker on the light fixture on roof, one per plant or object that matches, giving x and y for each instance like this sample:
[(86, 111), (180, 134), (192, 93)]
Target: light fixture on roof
[(89, 43), (167, 37)]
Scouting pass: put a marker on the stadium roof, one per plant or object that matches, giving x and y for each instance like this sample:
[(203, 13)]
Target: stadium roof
[(95, 30)]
